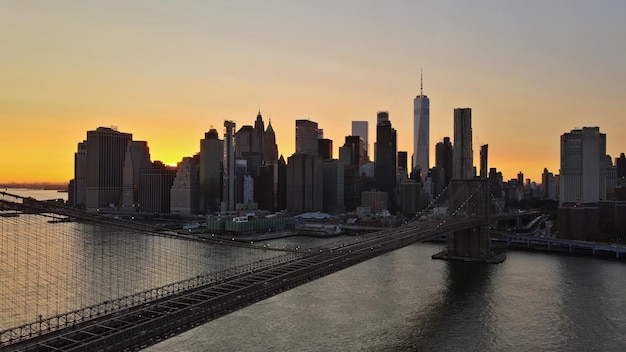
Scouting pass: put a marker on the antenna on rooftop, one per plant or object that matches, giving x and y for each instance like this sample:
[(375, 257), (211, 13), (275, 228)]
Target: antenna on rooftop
[(421, 81)]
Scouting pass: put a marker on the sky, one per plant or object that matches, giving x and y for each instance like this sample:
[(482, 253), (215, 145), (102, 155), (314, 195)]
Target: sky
[(168, 71)]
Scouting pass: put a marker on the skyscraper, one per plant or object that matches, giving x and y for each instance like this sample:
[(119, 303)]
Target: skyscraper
[(443, 159), (483, 161), (463, 154), (385, 155), (77, 191), (185, 188), (421, 121), (155, 184), (106, 149), (271, 148), (583, 169), (620, 164), (306, 137), (548, 184), (352, 155), (403, 160), (325, 148), (360, 128), (333, 185), (229, 165), (137, 159), (256, 145), (210, 171), (304, 183)]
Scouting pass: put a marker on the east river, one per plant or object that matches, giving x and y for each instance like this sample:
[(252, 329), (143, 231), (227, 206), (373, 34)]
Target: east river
[(406, 301)]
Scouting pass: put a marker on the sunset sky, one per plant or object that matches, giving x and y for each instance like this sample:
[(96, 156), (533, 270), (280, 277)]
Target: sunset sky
[(167, 71)]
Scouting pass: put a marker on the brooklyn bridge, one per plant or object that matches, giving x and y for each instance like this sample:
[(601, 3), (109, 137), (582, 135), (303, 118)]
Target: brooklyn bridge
[(81, 281)]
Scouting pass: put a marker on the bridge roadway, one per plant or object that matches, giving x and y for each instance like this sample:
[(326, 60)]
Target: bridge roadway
[(154, 320)]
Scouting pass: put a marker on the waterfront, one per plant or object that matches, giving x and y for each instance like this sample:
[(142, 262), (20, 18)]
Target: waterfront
[(400, 301), (405, 301)]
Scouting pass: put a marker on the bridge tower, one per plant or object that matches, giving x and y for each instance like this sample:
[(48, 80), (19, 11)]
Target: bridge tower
[(470, 200)]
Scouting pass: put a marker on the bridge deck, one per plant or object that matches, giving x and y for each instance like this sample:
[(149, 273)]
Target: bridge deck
[(155, 320)]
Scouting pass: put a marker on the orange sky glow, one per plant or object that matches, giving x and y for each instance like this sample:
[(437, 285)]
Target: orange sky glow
[(168, 72)]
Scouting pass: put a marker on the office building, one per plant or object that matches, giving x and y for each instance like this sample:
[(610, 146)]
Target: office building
[(228, 203), (403, 170), (620, 164), (360, 128), (155, 184), (325, 148), (463, 154), (496, 183), (375, 200), (548, 183), (483, 161), (352, 155), (210, 172), (385, 155), (266, 187), (421, 135), (184, 194), (106, 150), (76, 193), (256, 145), (241, 171), (137, 158), (583, 166), (443, 159), (333, 185), (304, 183), (306, 137)]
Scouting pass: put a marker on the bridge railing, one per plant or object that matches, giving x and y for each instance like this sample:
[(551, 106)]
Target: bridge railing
[(44, 325)]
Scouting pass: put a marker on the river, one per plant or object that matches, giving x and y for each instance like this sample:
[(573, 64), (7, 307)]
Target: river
[(406, 301)]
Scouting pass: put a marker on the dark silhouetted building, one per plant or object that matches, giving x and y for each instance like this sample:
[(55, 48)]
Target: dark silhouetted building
[(496, 182), (106, 150), (184, 194), (306, 137), (76, 191), (620, 164), (304, 183), (483, 161), (385, 156), (352, 155), (210, 172), (266, 187), (256, 145), (228, 171), (421, 135), (583, 169), (443, 159), (325, 148), (360, 129), (155, 184), (333, 183), (463, 154), (137, 159), (282, 184)]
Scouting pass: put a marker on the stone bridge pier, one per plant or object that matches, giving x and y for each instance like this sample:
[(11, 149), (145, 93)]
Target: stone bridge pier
[(470, 200)]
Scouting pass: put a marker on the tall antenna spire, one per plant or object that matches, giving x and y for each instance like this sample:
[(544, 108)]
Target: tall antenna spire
[(421, 82)]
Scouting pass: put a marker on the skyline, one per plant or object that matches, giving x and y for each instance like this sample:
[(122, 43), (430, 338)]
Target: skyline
[(168, 72)]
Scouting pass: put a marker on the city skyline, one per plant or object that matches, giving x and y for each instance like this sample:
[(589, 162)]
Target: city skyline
[(167, 73)]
